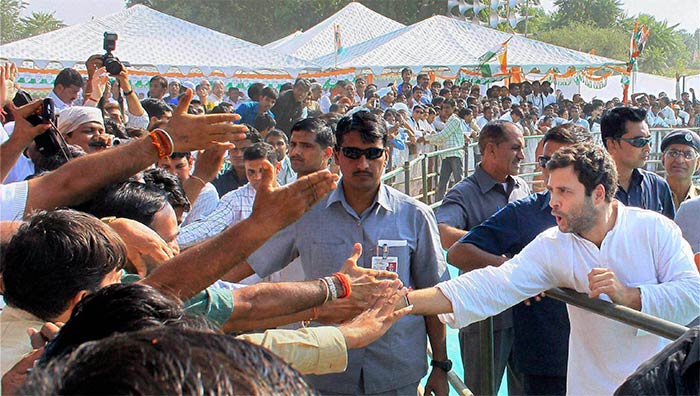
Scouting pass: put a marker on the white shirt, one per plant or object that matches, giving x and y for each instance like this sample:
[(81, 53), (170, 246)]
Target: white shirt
[(233, 207), (286, 174), (514, 99), (325, 103), (481, 121), (58, 103), (14, 340), (204, 205), (644, 249), (13, 200), (668, 116)]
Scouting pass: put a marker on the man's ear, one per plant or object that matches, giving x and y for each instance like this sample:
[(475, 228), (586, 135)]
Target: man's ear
[(328, 152), (598, 194)]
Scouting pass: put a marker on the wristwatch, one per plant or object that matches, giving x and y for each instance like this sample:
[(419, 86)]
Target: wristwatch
[(444, 365)]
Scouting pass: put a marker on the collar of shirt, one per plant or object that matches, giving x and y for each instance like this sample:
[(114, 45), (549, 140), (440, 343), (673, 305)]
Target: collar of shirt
[(338, 195), (487, 183), (60, 105), (545, 202)]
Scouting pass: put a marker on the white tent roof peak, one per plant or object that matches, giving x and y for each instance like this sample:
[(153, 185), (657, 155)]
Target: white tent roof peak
[(455, 43), (357, 24), (149, 38)]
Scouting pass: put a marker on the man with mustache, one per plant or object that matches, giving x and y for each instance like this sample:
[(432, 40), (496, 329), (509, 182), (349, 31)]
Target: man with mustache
[(492, 185), (680, 159), (397, 233), (632, 257)]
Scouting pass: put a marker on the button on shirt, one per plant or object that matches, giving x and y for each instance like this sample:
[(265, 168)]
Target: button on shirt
[(647, 190), (540, 345), (643, 249), (323, 238)]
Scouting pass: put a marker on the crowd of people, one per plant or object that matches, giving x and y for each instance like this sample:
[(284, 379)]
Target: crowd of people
[(244, 242)]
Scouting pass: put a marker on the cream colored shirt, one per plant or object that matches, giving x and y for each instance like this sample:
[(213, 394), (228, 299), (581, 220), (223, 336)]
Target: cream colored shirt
[(312, 350), (14, 341)]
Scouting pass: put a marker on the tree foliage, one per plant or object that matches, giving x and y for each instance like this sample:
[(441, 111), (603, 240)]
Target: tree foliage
[(13, 27), (601, 13), (263, 21), (607, 42)]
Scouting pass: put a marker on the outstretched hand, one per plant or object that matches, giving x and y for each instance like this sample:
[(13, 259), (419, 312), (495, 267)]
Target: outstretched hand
[(278, 207), (364, 284), (194, 132), (372, 323)]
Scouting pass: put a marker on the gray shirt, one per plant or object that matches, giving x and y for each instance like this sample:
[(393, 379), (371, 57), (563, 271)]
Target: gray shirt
[(475, 199), (688, 219), (323, 238)]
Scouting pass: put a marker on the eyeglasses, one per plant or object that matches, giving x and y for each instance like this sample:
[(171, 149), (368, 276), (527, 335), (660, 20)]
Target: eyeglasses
[(542, 160), (688, 155), (371, 153), (638, 142)]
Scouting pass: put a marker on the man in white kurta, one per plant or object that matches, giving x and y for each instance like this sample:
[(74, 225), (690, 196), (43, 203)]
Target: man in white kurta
[(631, 256)]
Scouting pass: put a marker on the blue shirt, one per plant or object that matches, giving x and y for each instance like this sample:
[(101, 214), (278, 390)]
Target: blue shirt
[(249, 112), (323, 238), (648, 190), (540, 345)]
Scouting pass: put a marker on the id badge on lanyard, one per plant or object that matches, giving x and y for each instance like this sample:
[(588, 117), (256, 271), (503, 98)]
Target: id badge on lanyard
[(382, 261)]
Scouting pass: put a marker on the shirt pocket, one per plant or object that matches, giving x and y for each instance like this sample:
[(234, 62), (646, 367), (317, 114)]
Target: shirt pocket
[(326, 257)]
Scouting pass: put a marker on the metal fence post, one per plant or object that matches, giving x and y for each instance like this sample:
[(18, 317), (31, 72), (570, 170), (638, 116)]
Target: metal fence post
[(424, 177), (488, 381), (407, 178)]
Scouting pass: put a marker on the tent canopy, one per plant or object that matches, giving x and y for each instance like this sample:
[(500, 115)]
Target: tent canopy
[(454, 44), (148, 38), (357, 24)]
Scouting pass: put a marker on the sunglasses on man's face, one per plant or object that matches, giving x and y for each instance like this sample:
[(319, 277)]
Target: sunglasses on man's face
[(542, 160), (638, 142), (354, 153)]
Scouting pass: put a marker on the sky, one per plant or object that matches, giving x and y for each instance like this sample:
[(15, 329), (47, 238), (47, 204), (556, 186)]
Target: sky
[(684, 12)]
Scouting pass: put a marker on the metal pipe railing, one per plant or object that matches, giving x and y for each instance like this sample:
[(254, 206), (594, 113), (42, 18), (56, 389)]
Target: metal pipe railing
[(620, 313)]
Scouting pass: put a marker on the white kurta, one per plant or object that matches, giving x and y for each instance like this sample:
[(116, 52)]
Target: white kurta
[(644, 249)]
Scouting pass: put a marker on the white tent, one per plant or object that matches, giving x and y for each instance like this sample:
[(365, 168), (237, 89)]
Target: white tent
[(357, 24), (150, 39), (452, 44)]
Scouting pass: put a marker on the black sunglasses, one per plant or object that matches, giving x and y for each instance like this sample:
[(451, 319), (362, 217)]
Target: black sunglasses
[(638, 142), (542, 160), (371, 153)]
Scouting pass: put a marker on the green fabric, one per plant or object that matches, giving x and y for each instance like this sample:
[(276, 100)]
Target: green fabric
[(213, 303)]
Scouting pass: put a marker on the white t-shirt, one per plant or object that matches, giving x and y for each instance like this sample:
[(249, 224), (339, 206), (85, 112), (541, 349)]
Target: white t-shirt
[(13, 200), (644, 249)]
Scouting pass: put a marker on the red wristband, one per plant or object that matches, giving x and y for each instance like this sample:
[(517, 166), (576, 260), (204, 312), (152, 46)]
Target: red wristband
[(345, 281)]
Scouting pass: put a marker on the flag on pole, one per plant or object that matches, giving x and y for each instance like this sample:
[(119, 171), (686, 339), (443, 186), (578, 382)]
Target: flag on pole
[(500, 52), (338, 43), (638, 40)]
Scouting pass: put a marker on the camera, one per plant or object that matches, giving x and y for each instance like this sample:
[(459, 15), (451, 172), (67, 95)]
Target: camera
[(110, 62), (48, 143)]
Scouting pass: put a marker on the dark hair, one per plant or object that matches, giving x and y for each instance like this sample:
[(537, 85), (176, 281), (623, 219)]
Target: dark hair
[(254, 91), (437, 101), (370, 127), (259, 151), (114, 128), (56, 255), (612, 125), (48, 164), (264, 121), (252, 135), (444, 91), (277, 133), (181, 154), (222, 108), (269, 92), (299, 82), (416, 88), (463, 112), (120, 308), (592, 164), (131, 200), (136, 133), (68, 77), (450, 102), (168, 361), (567, 134), (159, 79), (517, 112), (155, 107), (322, 131), (170, 184), (493, 132)]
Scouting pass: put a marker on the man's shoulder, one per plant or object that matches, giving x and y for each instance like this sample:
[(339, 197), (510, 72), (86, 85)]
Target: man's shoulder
[(692, 204), (652, 177), (401, 201)]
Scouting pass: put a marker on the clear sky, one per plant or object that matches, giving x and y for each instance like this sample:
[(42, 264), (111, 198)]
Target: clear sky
[(684, 12)]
